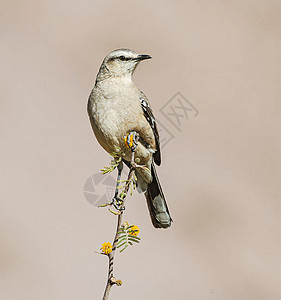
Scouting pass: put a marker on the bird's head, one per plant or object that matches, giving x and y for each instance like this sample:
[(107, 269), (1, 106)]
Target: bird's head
[(121, 62)]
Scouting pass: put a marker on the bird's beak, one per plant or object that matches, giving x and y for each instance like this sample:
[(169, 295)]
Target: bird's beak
[(143, 57)]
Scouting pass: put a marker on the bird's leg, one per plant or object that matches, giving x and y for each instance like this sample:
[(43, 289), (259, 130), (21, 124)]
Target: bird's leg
[(117, 201)]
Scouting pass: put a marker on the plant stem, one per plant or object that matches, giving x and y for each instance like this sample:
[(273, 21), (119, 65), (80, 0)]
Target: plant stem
[(110, 279)]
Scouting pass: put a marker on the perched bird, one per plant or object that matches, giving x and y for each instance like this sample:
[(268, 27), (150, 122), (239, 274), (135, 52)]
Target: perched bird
[(118, 109)]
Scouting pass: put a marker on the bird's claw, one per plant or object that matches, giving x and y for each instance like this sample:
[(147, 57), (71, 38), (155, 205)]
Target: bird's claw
[(117, 203)]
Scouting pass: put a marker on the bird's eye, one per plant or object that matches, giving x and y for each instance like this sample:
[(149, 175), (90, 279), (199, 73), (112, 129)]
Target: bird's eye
[(122, 57)]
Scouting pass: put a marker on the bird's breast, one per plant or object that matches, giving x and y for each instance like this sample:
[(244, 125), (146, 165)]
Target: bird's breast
[(113, 112)]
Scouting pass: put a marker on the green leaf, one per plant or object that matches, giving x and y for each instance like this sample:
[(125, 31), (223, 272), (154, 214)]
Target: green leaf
[(121, 236), (119, 241), (135, 241), (121, 245), (124, 248), (135, 237)]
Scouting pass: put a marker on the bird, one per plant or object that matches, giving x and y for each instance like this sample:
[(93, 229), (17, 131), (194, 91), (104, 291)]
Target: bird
[(118, 110)]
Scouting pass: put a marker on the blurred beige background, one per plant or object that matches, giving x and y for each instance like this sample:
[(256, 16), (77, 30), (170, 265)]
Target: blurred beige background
[(221, 174)]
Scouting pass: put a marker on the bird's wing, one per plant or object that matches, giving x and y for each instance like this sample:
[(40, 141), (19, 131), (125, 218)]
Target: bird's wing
[(152, 122)]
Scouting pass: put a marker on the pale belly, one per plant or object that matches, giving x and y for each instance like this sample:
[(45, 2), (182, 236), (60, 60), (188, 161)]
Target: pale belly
[(113, 119)]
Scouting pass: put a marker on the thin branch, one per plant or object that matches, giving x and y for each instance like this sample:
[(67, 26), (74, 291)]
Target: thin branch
[(111, 280)]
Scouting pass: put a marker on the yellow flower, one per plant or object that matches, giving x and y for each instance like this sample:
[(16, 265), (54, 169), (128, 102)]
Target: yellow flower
[(106, 248), (134, 230)]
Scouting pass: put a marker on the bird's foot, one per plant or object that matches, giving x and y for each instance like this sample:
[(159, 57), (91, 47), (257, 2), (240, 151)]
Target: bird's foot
[(117, 202), (130, 140)]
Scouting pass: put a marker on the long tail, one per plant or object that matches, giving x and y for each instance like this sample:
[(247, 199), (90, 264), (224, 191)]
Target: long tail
[(156, 203)]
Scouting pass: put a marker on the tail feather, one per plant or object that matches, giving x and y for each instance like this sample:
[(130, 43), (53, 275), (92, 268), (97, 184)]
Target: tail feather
[(156, 203)]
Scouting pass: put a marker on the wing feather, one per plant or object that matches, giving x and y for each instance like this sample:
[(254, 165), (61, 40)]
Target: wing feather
[(147, 111)]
